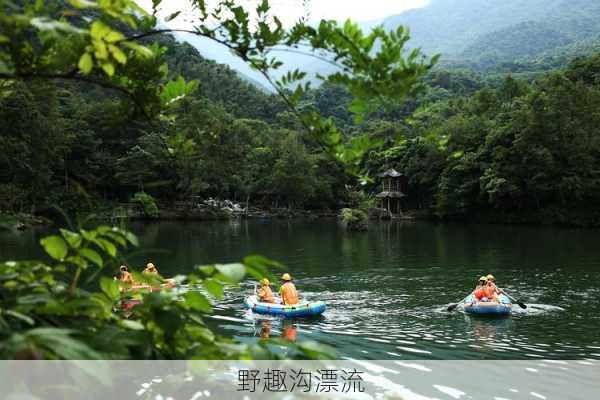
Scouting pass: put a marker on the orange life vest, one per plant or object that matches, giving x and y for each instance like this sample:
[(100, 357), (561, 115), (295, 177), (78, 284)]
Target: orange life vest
[(265, 294), (151, 271), (480, 293), (490, 291), (289, 295), (126, 277)]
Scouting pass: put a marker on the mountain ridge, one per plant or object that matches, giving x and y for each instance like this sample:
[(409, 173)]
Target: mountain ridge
[(479, 34)]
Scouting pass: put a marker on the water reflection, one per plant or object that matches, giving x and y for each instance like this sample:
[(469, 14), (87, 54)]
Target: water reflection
[(289, 329)]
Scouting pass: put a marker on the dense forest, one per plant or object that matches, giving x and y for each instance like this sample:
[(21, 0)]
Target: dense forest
[(81, 148), (516, 152), (479, 146)]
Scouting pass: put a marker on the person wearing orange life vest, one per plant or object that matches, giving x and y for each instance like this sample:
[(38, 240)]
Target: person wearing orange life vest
[(265, 294), (289, 295), (479, 291), (125, 276), (150, 269), (491, 290)]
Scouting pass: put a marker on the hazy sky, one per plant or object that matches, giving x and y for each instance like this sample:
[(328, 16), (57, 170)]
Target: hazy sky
[(291, 10), (360, 10)]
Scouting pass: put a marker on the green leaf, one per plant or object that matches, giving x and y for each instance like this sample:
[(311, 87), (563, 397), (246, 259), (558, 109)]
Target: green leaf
[(141, 50), (89, 236), (113, 37), (107, 246), (93, 256), (99, 30), (213, 287), (58, 341), (117, 53), (131, 325), (55, 246), (197, 301), (78, 260), (73, 239), (116, 237), (207, 270), (100, 50), (49, 24), (172, 16), (83, 3), (132, 239), (109, 68), (262, 262), (15, 314), (232, 273), (263, 8), (86, 64), (110, 287), (102, 229)]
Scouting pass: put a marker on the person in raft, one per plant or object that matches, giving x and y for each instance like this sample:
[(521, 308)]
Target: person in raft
[(289, 295), (492, 288), (152, 270), (480, 283), (125, 275), (479, 291), (486, 289), (265, 294)]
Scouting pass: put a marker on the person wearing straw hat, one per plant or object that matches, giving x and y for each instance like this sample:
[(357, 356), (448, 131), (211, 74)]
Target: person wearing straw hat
[(288, 292), (265, 294), (479, 291)]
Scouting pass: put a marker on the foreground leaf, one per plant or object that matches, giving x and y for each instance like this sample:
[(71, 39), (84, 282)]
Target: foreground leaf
[(55, 246)]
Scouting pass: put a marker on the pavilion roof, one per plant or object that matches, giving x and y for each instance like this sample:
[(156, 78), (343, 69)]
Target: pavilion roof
[(390, 173)]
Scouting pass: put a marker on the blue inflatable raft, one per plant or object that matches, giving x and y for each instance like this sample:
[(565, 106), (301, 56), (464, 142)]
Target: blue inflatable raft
[(307, 309), (472, 306)]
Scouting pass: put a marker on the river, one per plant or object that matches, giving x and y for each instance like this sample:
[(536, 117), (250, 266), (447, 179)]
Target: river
[(387, 290)]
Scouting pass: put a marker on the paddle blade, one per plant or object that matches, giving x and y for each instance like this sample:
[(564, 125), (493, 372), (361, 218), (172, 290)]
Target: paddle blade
[(522, 305), (452, 307)]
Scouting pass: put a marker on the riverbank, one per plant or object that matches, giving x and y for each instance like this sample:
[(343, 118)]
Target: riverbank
[(21, 221), (173, 214), (227, 210)]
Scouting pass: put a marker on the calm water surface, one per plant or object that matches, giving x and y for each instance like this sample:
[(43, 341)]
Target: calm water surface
[(387, 290)]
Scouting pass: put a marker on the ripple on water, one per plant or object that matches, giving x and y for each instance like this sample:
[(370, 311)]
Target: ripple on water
[(380, 323)]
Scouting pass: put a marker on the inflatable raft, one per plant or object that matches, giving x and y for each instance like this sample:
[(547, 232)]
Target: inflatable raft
[(169, 284), (306, 309), (472, 306), (128, 302)]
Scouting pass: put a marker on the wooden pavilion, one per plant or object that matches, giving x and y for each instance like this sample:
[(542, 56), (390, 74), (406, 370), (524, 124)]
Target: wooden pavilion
[(391, 195)]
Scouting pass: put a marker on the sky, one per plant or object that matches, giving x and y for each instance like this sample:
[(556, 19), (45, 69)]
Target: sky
[(290, 10), (361, 10)]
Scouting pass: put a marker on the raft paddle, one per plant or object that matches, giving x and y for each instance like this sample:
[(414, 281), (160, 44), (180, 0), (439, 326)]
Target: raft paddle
[(520, 303), (452, 307)]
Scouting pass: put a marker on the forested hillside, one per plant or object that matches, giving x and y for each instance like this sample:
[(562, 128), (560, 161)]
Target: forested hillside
[(518, 152), (481, 147), (84, 148), (511, 36), (472, 146), (487, 33)]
